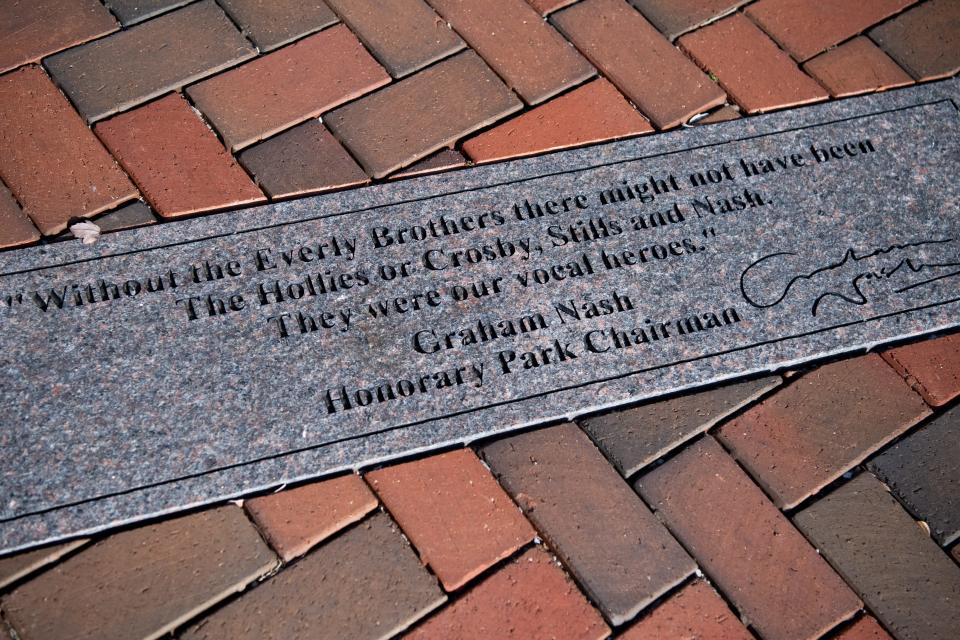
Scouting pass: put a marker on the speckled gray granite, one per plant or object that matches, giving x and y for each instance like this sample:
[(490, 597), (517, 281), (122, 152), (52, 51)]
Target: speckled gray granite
[(182, 364)]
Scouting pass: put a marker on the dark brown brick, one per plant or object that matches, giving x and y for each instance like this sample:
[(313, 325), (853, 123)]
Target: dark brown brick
[(745, 545), (296, 520), (15, 567), (922, 470), (668, 88), (304, 159), (129, 216), (439, 161), (524, 50), (924, 40), (404, 35), (51, 162), (143, 582), (806, 28), (32, 29), (723, 114), (15, 226), (931, 367), (176, 160), (608, 538), (866, 628), (529, 598), (312, 76), (546, 6), (676, 17), (819, 426), (695, 612), (906, 580), (420, 114), (454, 512), (634, 438), (750, 66), (133, 11), (272, 23), (366, 583), (857, 66), (130, 67)]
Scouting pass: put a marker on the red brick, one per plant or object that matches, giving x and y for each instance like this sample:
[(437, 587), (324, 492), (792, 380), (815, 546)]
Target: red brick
[(661, 81), (454, 512), (931, 367), (814, 430), (295, 520), (272, 23), (304, 159), (604, 534), (31, 29), (15, 226), (363, 584), (176, 160), (524, 50), (723, 114), (866, 628), (423, 113), (404, 35), (696, 611), (288, 86), (924, 40), (806, 28), (143, 582), (546, 6), (745, 545), (591, 113), (52, 163), (137, 64), (439, 161), (676, 17), (750, 66), (13, 568), (529, 598), (857, 66)]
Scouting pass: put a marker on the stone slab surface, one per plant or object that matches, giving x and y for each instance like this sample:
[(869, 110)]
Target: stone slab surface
[(127, 408)]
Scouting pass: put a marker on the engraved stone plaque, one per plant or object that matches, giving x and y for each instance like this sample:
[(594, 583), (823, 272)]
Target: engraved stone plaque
[(174, 366)]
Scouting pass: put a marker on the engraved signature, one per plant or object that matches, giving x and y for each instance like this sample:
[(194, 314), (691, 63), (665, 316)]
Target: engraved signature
[(768, 281)]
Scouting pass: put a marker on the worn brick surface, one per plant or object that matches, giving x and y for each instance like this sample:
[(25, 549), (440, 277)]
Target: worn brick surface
[(658, 78), (132, 66), (676, 17), (304, 159), (745, 545), (272, 23), (634, 438), (288, 86), (806, 28), (364, 584), (925, 40), (528, 598), (695, 612), (51, 162), (723, 114), (524, 50), (865, 628), (591, 113), (439, 161), (923, 471), (177, 162), (157, 576), (932, 367), (31, 29), (905, 579), (454, 512), (133, 11), (404, 35), (295, 520), (129, 216), (749, 65), (857, 66), (819, 426), (15, 567), (16, 229), (607, 537), (546, 6), (422, 113)]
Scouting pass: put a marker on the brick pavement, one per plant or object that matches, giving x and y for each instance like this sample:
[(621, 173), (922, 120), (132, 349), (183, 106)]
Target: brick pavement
[(820, 504)]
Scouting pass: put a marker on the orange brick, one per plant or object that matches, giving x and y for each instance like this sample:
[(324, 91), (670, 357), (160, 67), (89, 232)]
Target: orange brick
[(932, 367), (696, 611), (866, 628), (857, 66)]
